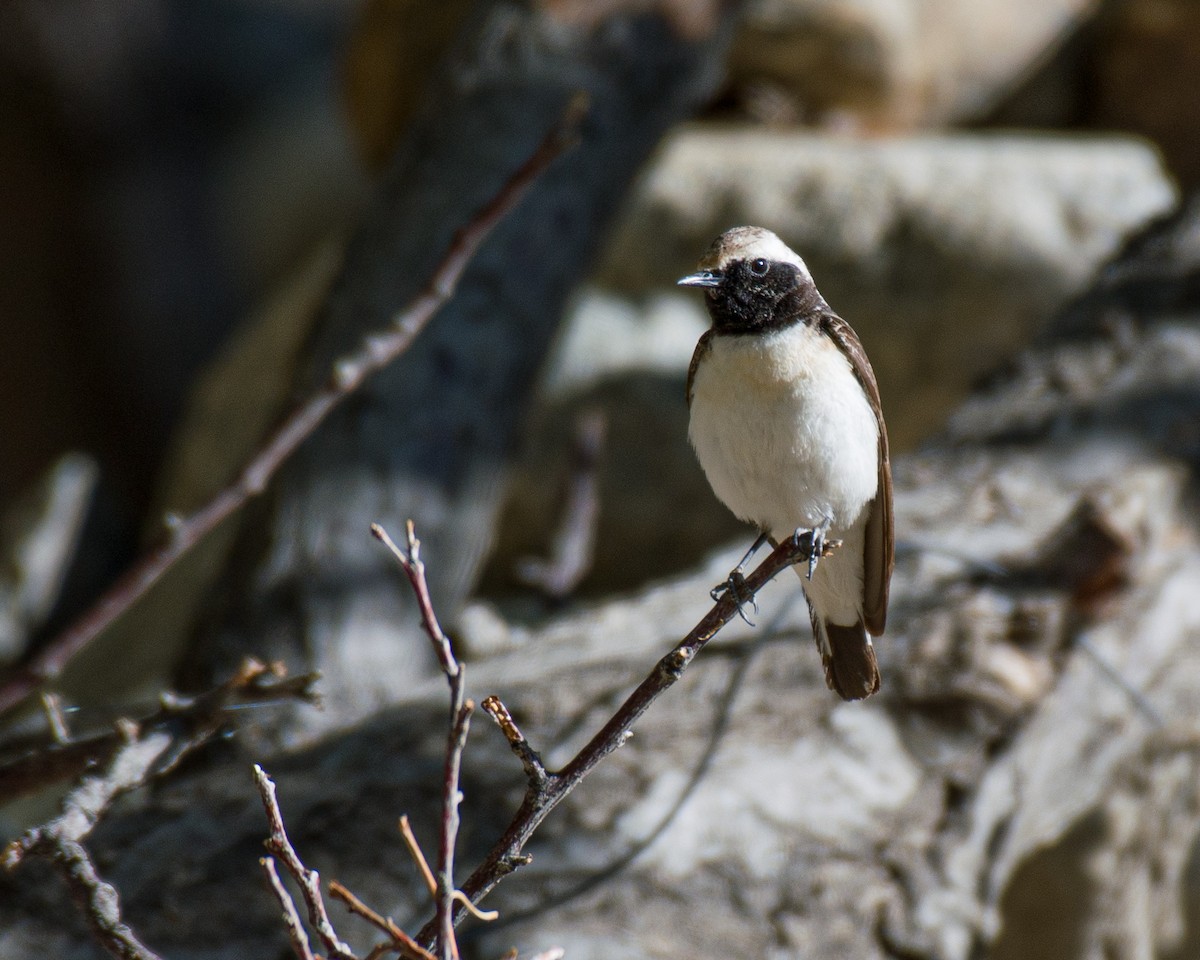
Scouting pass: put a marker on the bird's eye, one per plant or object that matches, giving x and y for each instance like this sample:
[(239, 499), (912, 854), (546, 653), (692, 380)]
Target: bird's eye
[(759, 267)]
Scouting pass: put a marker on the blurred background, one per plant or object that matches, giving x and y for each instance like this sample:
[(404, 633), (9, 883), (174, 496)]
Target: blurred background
[(953, 172), (177, 182)]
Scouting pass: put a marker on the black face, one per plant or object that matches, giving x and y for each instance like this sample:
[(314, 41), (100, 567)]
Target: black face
[(756, 296)]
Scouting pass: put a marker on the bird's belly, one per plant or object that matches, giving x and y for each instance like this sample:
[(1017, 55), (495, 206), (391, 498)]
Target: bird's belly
[(785, 448)]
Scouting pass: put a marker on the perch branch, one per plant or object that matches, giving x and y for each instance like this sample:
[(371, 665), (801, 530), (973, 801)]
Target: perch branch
[(546, 789), (743, 655), (374, 353)]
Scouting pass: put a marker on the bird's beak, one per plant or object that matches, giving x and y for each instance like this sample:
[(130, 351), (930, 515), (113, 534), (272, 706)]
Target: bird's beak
[(705, 278)]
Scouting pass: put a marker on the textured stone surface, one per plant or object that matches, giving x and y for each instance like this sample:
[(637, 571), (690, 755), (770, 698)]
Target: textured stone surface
[(944, 253), (890, 64), (1002, 797)]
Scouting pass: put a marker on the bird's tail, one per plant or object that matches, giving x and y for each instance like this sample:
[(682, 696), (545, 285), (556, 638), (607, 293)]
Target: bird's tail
[(848, 657)]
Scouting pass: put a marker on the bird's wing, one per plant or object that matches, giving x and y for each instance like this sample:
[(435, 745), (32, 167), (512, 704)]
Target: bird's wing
[(879, 552), (702, 348)]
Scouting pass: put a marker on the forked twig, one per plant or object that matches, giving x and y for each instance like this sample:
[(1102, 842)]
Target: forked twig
[(546, 789), (349, 372), (401, 943), (308, 880), (431, 885), (291, 916), (190, 720), (61, 840), (460, 717)]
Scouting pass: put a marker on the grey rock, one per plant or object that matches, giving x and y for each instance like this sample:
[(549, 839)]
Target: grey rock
[(1002, 796), (944, 252), (898, 63)]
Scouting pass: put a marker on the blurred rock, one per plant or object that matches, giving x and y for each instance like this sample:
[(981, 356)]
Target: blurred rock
[(896, 64), (648, 481), (628, 359), (945, 253)]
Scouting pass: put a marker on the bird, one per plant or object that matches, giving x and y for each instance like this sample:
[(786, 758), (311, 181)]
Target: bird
[(786, 421)]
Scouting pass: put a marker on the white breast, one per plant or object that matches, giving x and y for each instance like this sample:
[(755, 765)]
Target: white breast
[(784, 430)]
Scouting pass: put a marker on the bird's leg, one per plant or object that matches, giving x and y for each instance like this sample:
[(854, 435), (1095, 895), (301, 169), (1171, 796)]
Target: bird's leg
[(735, 583), (817, 544)]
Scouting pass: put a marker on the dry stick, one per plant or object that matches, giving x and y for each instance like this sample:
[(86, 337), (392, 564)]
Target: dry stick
[(414, 848), (61, 841), (401, 943), (460, 718), (291, 916), (546, 789), (374, 352), (308, 880), (192, 721), (723, 714), (132, 754)]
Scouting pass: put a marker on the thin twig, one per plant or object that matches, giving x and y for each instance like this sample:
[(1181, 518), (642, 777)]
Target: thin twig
[(374, 352), (291, 917), (418, 855), (401, 943), (744, 655), (456, 738), (308, 880), (543, 794), (531, 760), (451, 798), (191, 722), (414, 568)]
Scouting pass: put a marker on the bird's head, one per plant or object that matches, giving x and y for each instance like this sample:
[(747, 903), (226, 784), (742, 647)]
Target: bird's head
[(753, 282)]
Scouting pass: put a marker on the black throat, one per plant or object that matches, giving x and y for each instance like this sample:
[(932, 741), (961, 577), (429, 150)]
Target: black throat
[(747, 303)]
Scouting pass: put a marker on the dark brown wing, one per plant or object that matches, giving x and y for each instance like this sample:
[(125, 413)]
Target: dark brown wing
[(702, 347), (879, 552)]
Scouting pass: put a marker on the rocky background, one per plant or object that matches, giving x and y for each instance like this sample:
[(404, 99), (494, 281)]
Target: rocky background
[(989, 192)]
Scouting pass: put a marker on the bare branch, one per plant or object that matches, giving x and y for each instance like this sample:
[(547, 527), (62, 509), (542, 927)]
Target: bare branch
[(418, 855), (349, 372), (531, 760), (291, 917), (308, 880), (401, 943), (545, 789), (460, 719), (61, 840), (414, 568), (191, 722)]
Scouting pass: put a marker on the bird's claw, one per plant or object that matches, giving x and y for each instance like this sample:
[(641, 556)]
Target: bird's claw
[(735, 586), (818, 546)]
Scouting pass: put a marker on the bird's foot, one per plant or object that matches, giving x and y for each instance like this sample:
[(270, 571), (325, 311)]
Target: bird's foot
[(735, 583), (735, 586), (818, 546)]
